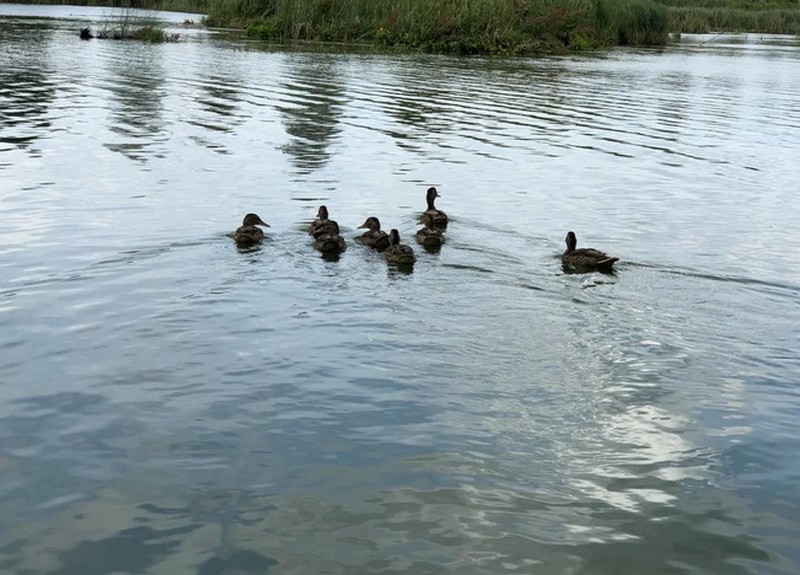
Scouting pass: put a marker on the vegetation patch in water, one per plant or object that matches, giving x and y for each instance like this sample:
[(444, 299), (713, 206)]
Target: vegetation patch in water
[(148, 33), (454, 26), (130, 26)]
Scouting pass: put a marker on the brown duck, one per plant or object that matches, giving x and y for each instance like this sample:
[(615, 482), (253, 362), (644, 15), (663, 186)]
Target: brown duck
[(374, 237), (430, 237), (585, 259), (437, 217), (322, 224), (249, 234), (398, 253), (328, 241)]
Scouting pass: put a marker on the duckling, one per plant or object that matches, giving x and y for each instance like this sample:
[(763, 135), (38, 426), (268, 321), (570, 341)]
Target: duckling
[(329, 241), (398, 253), (585, 259), (429, 237), (375, 237), (249, 234), (438, 218), (322, 224)]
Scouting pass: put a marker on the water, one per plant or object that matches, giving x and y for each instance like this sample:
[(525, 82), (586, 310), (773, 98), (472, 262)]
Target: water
[(173, 405)]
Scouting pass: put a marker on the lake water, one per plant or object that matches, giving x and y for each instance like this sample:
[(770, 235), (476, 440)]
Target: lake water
[(172, 405)]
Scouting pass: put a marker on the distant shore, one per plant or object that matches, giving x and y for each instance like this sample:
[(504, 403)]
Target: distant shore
[(502, 27)]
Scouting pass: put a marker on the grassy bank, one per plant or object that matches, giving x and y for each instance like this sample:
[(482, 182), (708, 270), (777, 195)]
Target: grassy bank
[(451, 26)]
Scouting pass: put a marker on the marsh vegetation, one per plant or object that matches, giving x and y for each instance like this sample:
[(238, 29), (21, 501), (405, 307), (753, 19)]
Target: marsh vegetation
[(455, 26), (763, 16), (129, 25)]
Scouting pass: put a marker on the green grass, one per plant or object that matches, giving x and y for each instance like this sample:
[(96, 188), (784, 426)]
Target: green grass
[(147, 33), (763, 16), (451, 26), (703, 20), (131, 25)]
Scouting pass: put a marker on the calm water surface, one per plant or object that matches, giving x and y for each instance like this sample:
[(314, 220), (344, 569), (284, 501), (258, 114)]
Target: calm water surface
[(172, 405)]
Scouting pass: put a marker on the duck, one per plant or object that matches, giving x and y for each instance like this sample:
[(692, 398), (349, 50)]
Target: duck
[(437, 217), (322, 224), (374, 237), (429, 236), (585, 259), (249, 234), (398, 253), (328, 241)]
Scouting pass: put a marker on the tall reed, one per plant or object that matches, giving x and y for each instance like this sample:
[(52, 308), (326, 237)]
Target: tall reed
[(703, 20)]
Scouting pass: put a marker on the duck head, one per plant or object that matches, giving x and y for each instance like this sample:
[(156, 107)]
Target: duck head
[(394, 237), (254, 220), (431, 195), (322, 213), (572, 241), (372, 223)]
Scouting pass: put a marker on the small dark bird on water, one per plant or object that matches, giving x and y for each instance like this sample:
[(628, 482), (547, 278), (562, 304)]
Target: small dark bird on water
[(585, 259), (374, 237), (430, 237), (86, 34), (249, 234), (437, 217), (323, 225), (398, 253), (329, 241)]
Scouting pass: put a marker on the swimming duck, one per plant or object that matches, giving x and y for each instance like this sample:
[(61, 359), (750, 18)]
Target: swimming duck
[(437, 217), (398, 253), (328, 241), (374, 237), (585, 259), (322, 224), (429, 237), (249, 234)]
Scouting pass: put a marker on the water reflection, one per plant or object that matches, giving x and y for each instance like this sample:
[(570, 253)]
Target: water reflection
[(136, 86), (27, 85), (220, 101), (314, 97)]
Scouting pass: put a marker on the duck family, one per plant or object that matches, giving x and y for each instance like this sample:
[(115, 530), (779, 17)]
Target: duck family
[(328, 240)]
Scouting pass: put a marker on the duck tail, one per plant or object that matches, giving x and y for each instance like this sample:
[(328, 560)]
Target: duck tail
[(606, 263)]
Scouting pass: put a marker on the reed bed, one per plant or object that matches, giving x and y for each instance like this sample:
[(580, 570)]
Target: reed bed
[(451, 26), (704, 20)]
